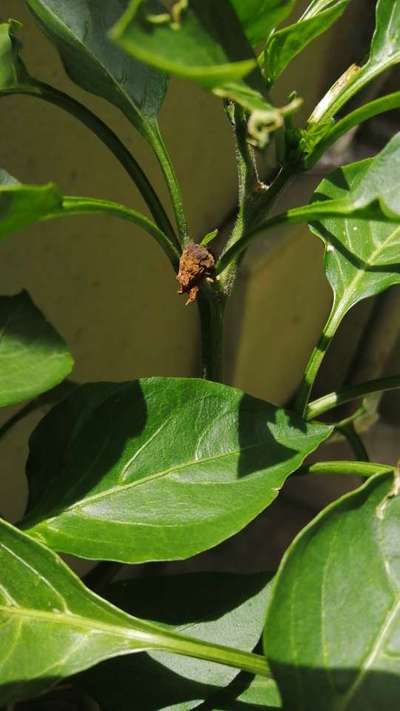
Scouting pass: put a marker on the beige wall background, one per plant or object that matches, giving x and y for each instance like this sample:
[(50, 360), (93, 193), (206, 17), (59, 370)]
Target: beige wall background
[(107, 287)]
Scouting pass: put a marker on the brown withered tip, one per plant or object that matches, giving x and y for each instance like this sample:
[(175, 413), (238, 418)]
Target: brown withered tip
[(196, 264)]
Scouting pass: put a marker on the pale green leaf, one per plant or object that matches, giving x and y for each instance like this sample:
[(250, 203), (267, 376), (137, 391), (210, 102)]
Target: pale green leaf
[(160, 468), (332, 629), (33, 357), (53, 627)]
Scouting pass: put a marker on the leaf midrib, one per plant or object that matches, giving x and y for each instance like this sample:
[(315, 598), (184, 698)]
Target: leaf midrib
[(72, 619), (344, 703), (369, 263), (152, 477)]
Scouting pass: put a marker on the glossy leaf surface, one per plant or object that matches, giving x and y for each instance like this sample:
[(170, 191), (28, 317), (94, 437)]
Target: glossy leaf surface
[(209, 46), (79, 29), (332, 630), (259, 17), (222, 608), (284, 45), (160, 468), (51, 625), (33, 357), (362, 256)]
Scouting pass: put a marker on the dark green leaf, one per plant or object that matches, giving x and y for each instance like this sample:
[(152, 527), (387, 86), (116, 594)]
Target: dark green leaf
[(33, 357), (53, 627), (259, 17), (208, 46), (79, 30), (220, 608), (332, 630), (160, 468), (284, 45)]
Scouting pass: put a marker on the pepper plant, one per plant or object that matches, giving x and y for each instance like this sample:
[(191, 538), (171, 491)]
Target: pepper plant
[(161, 469)]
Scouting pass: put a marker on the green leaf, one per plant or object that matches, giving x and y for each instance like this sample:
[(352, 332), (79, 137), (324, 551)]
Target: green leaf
[(22, 205), (332, 630), (259, 17), (365, 191), (79, 30), (284, 45), (362, 256), (384, 54), (217, 607), (159, 468), (209, 47), (12, 70), (53, 627), (33, 357)]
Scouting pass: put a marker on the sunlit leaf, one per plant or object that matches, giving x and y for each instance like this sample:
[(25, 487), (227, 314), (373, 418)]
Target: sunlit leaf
[(332, 630), (284, 45), (160, 468), (53, 627)]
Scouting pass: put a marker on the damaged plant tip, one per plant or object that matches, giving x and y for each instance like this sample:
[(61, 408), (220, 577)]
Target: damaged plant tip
[(262, 123), (196, 264)]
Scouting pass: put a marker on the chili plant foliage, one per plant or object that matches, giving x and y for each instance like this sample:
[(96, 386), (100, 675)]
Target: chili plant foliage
[(161, 469)]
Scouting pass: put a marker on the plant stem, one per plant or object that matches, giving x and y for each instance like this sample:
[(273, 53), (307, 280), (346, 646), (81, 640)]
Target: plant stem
[(390, 102), (191, 647), (211, 303), (354, 392), (87, 206), (352, 468), (316, 359), (353, 438), (110, 139), (155, 140)]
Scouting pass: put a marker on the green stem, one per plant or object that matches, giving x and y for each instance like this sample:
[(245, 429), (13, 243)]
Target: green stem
[(354, 392), (156, 142), (253, 663), (211, 304), (351, 468), (355, 118), (297, 215), (86, 206), (109, 138), (353, 438), (316, 359)]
